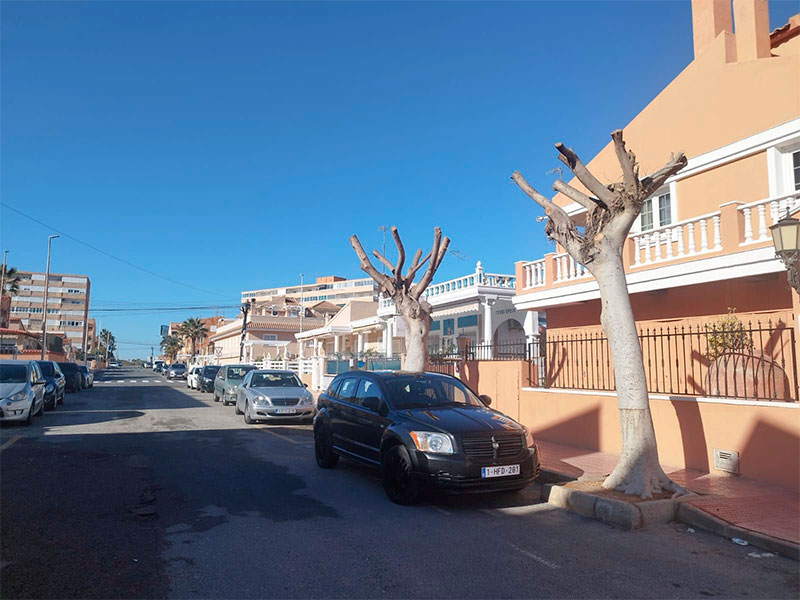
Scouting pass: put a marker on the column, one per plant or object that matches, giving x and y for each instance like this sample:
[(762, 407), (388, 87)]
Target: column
[(389, 339), (336, 343), (360, 345), (488, 329)]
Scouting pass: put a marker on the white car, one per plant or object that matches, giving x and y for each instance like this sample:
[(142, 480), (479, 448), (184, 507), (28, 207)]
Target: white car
[(193, 378)]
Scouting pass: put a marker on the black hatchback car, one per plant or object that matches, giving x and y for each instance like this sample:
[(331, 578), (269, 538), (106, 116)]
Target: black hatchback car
[(207, 376), (55, 383), (73, 376), (422, 430)]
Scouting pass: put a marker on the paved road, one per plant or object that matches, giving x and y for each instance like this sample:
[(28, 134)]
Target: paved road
[(243, 512)]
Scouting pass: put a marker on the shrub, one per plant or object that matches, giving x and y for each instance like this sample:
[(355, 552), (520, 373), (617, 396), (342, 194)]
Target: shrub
[(727, 334)]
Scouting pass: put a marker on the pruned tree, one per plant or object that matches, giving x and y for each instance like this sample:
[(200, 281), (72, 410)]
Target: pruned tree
[(405, 293), (611, 210)]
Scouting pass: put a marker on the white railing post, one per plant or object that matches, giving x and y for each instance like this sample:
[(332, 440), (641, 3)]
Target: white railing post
[(762, 222), (636, 247), (703, 235), (690, 232), (717, 235), (668, 238), (679, 231), (748, 226), (657, 238)]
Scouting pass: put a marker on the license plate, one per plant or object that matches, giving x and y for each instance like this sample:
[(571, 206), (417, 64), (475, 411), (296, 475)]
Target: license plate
[(285, 411), (500, 471)]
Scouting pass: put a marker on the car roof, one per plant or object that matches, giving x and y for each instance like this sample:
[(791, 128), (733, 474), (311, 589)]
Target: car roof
[(274, 371), (15, 362), (390, 374)]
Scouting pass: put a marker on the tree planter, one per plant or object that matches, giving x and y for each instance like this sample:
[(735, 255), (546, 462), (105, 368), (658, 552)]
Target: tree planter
[(750, 375)]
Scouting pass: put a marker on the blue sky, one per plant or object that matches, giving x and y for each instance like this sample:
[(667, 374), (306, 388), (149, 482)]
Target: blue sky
[(234, 145)]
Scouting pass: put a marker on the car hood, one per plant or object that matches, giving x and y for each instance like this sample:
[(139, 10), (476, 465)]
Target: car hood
[(461, 419), (280, 392), (9, 389)]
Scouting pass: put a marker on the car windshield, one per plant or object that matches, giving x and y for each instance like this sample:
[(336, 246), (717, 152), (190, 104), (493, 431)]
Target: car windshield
[(427, 391), (48, 370), (209, 371), (13, 373), (238, 373), (179, 366), (275, 380), (71, 367)]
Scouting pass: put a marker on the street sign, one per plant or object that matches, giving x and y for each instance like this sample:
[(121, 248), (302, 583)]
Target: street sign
[(218, 352)]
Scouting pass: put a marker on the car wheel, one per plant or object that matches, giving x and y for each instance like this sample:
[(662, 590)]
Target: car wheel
[(236, 408), (40, 412), (247, 418), (29, 418), (216, 398), (52, 404), (399, 480), (323, 447)]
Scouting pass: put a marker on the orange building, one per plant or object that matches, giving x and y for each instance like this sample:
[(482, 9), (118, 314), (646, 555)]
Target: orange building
[(700, 247)]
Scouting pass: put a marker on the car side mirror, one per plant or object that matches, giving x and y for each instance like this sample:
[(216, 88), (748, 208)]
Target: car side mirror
[(487, 400), (305, 385), (372, 403), (41, 381)]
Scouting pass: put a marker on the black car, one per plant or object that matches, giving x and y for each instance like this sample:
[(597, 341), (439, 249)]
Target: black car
[(55, 383), (422, 430), (87, 377), (72, 373), (207, 376)]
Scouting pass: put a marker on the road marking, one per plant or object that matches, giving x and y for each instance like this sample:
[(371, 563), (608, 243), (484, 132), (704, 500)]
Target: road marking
[(120, 381), (535, 557), (283, 437), (132, 381), (9, 442), (145, 381)]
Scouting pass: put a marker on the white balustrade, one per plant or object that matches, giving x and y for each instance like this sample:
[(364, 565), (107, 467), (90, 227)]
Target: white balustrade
[(535, 273), (757, 211), (567, 268), (676, 240)]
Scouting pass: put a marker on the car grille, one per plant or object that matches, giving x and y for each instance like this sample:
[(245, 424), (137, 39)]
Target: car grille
[(285, 401), (480, 445)]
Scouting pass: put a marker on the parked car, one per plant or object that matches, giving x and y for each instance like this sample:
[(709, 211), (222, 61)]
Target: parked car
[(113, 365), (146, 365), (22, 388), (272, 395), (227, 382), (74, 378), (87, 376), (193, 377), (207, 376), (422, 430), (157, 365), (176, 371), (54, 388)]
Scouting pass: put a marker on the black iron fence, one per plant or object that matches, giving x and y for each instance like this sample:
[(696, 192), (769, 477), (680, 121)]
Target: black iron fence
[(731, 360)]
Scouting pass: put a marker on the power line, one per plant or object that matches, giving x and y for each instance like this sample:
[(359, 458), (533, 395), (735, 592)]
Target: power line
[(103, 252), (161, 308)]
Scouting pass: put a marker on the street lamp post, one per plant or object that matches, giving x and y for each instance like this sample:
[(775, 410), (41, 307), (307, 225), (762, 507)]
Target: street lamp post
[(786, 238), (46, 290)]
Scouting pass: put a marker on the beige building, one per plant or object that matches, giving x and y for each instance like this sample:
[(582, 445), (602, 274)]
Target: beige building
[(67, 305), (336, 290)]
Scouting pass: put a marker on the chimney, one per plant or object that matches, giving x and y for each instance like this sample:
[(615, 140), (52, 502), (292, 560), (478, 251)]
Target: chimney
[(752, 29), (709, 19)]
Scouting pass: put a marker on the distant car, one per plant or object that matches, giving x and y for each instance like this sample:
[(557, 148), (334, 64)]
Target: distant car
[(146, 365), (157, 365), (74, 377), (54, 389), (272, 395), (22, 388), (207, 376), (227, 382), (422, 429), (113, 365), (193, 378), (87, 375), (176, 371)]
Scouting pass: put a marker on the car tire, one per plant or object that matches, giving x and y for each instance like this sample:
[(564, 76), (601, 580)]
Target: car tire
[(236, 408), (323, 447), (247, 418), (399, 480), (216, 398), (29, 419), (51, 405), (40, 412)]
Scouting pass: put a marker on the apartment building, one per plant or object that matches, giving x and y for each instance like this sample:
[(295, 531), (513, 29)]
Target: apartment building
[(67, 308), (333, 289), (700, 248)]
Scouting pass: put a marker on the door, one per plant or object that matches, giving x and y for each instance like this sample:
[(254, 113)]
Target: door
[(341, 414), (367, 424)]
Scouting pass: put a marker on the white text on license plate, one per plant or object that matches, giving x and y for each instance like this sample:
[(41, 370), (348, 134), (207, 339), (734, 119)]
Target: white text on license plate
[(285, 411), (500, 471)]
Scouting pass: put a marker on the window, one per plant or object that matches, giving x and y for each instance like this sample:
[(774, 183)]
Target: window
[(347, 390), (663, 204), (368, 388), (70, 291), (271, 337), (664, 210), (425, 391), (796, 169)]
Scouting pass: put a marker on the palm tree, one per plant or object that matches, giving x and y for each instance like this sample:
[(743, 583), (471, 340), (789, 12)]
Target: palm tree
[(10, 277), (106, 342), (171, 344), (194, 330)]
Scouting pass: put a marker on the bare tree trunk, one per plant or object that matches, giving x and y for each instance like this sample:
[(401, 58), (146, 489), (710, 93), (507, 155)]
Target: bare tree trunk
[(638, 470), (417, 329)]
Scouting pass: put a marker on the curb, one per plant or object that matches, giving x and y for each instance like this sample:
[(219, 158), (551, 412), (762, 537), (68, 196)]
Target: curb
[(625, 515), (691, 515)]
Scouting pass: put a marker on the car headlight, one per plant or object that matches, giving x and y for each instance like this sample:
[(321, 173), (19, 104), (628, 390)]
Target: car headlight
[(433, 443), (529, 438), (49, 387), (307, 399), (260, 399), (18, 397)]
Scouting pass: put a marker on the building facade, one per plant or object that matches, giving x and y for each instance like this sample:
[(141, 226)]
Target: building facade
[(68, 300), (336, 290)]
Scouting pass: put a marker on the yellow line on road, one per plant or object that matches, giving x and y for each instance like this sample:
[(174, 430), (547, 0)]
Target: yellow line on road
[(283, 437), (9, 442)]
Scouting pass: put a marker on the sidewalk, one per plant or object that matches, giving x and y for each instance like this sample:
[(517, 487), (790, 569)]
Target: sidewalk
[(765, 509)]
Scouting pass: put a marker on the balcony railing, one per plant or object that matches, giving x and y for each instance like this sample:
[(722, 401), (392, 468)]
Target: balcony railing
[(754, 214), (686, 238)]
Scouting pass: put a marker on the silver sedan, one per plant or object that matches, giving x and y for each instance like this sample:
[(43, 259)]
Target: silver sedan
[(271, 395)]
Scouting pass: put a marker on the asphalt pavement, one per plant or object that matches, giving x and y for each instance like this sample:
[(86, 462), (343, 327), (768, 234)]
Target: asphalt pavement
[(141, 488)]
